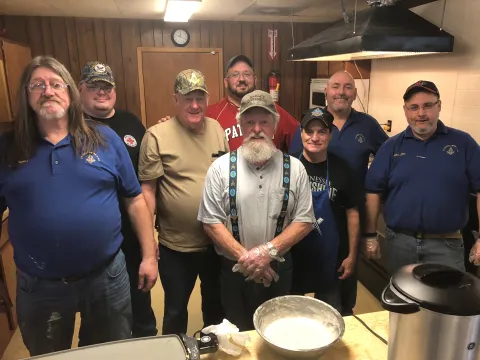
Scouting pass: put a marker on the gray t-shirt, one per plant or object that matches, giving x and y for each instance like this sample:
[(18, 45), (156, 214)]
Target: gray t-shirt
[(259, 197)]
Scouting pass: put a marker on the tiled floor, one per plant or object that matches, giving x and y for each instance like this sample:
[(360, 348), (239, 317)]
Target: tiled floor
[(16, 350)]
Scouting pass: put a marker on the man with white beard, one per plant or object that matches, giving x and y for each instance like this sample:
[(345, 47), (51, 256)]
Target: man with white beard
[(256, 205)]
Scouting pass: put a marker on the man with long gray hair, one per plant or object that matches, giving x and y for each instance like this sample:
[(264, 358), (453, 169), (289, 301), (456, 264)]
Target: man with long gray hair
[(60, 176), (256, 205)]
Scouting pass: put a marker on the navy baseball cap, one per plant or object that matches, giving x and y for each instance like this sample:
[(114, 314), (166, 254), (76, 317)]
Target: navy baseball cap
[(317, 114), (421, 86)]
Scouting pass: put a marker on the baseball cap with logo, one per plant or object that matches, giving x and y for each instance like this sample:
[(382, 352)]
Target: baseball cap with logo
[(260, 99), (421, 86), (317, 114), (97, 71), (190, 80)]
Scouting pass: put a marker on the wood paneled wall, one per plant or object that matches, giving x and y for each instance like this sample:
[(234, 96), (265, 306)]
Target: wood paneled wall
[(74, 41)]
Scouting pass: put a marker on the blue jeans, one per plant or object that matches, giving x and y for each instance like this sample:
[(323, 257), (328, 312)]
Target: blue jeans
[(401, 250), (46, 309)]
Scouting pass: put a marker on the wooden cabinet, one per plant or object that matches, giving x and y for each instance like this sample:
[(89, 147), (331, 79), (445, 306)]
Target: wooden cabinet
[(13, 59), (8, 289), (359, 69)]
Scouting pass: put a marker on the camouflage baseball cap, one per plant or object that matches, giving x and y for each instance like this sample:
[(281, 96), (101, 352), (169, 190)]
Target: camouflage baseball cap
[(190, 80), (259, 99), (97, 71)]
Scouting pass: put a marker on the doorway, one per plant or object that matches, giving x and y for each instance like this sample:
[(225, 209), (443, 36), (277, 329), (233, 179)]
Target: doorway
[(157, 69)]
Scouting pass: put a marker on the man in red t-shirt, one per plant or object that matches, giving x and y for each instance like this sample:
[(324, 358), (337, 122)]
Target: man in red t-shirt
[(239, 81)]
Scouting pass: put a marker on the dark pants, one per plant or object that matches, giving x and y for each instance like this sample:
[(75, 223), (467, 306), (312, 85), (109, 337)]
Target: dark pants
[(144, 322), (342, 295), (46, 309), (240, 299), (178, 273)]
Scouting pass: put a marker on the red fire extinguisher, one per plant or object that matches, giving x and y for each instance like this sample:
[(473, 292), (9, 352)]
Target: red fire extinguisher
[(274, 84)]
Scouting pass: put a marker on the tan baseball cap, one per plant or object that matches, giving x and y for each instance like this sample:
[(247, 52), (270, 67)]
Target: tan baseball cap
[(259, 99), (190, 80)]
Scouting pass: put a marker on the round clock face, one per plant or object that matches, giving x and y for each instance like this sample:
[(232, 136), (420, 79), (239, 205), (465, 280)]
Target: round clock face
[(180, 37)]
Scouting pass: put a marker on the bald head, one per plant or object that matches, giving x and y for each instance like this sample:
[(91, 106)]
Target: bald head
[(340, 92)]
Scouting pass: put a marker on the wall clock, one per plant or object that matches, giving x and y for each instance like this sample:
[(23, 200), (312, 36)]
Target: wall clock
[(180, 37)]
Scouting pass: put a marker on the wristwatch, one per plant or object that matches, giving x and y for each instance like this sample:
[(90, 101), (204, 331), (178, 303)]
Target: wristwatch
[(273, 252)]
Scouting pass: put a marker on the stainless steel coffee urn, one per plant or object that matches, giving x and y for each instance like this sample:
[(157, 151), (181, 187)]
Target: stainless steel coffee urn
[(434, 314)]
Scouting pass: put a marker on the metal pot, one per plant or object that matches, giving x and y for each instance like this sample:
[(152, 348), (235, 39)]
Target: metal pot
[(166, 347), (434, 314)]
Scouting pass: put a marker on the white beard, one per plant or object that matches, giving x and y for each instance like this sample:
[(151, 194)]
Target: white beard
[(52, 113), (257, 152)]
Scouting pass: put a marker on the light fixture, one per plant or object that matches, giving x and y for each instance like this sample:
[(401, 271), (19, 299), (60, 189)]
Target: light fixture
[(181, 10)]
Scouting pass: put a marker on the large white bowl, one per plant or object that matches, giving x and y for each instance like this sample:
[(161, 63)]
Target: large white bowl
[(298, 306)]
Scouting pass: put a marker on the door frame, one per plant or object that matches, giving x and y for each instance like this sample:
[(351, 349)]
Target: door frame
[(142, 50)]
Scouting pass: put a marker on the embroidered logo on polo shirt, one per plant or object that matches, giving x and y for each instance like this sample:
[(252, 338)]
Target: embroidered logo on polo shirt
[(360, 138), (90, 157), (450, 149), (130, 140)]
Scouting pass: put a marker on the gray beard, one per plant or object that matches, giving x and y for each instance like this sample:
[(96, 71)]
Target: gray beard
[(49, 115), (257, 152)]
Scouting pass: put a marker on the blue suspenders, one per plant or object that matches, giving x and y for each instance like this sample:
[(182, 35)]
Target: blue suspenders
[(233, 194)]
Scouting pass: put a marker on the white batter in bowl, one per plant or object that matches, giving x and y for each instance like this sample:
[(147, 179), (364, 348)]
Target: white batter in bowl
[(298, 326)]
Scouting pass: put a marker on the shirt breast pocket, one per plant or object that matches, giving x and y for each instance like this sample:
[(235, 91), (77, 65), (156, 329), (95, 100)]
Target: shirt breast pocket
[(275, 204)]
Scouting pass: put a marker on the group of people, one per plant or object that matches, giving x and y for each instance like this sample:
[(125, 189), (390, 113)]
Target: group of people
[(253, 202)]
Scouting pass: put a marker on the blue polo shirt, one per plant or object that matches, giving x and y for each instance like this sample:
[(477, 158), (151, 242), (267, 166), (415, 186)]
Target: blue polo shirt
[(64, 209), (426, 184), (360, 136)]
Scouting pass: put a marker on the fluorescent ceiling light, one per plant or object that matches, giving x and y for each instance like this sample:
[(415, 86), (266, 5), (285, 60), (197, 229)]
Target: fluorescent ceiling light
[(364, 55), (181, 10)]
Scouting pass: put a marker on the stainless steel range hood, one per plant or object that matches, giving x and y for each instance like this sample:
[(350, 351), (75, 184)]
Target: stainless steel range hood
[(377, 32)]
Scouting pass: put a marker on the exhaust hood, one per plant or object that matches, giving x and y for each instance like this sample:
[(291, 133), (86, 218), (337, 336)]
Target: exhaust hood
[(377, 32)]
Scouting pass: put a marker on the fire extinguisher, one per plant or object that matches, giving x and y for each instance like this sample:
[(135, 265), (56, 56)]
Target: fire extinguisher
[(274, 84)]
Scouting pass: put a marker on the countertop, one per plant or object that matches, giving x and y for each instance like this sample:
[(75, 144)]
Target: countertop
[(357, 342), (5, 215)]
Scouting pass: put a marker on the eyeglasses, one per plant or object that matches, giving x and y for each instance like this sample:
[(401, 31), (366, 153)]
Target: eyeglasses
[(107, 89), (39, 88), (236, 75), (426, 106)]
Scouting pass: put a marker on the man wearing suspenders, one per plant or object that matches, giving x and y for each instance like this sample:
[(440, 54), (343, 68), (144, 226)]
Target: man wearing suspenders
[(256, 205)]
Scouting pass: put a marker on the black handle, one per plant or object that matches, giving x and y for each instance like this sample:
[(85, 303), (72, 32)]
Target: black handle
[(393, 303), (191, 346)]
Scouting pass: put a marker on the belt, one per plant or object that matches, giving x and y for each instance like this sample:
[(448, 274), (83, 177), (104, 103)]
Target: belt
[(425, 235), (95, 270)]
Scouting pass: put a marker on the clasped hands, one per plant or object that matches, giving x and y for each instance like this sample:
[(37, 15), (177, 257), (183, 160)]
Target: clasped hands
[(255, 265)]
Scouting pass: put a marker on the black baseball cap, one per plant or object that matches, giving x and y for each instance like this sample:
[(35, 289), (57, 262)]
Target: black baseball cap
[(238, 58), (317, 114), (421, 86)]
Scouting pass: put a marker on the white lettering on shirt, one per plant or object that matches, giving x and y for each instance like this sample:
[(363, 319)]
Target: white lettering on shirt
[(235, 131), (318, 183)]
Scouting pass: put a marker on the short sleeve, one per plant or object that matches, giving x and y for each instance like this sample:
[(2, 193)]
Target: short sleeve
[(127, 178), (378, 136), (376, 180), (211, 209), (150, 165), (473, 164)]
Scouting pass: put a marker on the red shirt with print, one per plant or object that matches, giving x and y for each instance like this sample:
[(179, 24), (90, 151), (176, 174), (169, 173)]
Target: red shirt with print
[(225, 111)]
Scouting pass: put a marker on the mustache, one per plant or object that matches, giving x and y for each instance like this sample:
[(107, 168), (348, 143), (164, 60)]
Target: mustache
[(344, 97), (44, 100), (242, 82)]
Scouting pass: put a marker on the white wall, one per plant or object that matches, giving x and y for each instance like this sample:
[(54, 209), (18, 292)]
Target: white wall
[(457, 75)]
